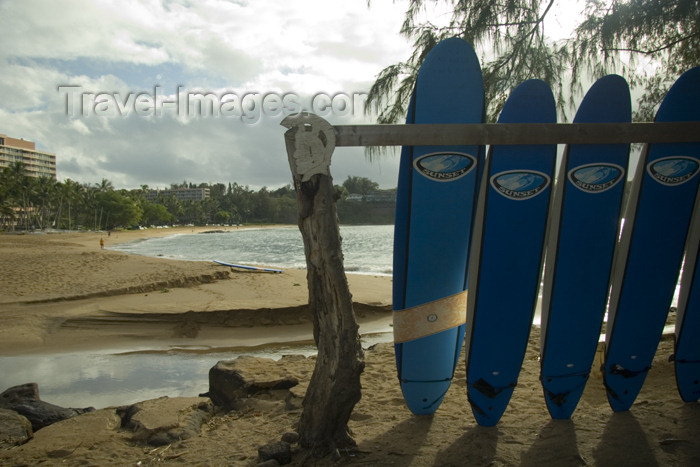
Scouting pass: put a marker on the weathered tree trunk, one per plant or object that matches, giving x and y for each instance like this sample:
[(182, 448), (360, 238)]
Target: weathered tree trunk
[(335, 387)]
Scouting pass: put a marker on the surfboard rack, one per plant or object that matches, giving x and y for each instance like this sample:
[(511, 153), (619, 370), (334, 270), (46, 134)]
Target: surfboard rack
[(665, 132), (515, 133)]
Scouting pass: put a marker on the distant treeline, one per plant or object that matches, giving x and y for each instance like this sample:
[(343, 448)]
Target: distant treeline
[(29, 203)]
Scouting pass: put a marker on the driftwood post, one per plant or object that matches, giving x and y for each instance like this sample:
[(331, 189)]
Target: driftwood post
[(334, 388)]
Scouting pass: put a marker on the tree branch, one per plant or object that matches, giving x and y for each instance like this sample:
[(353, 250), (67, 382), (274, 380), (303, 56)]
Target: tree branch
[(651, 51)]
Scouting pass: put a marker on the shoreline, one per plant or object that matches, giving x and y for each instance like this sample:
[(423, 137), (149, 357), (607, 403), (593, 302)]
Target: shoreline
[(61, 291)]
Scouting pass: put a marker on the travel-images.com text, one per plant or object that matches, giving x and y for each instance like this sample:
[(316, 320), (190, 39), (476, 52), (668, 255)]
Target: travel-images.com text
[(249, 107)]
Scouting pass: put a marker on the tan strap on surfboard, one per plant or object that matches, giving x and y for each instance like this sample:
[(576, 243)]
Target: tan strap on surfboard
[(430, 318)]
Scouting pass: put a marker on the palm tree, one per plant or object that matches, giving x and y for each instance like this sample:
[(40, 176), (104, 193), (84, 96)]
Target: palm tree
[(104, 185), (71, 192), (7, 211), (89, 204), (19, 188), (44, 193)]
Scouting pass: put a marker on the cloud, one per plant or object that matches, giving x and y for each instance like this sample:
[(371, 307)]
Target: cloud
[(107, 58), (80, 127)]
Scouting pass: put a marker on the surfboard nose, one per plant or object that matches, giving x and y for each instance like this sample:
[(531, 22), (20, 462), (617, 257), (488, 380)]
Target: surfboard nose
[(489, 405), (423, 398), (622, 386), (562, 393)]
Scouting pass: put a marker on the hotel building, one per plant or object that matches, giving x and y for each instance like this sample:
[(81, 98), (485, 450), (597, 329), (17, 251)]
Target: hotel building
[(182, 194), (36, 163)]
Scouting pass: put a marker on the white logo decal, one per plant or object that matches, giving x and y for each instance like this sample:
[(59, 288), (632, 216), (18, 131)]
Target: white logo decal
[(596, 178), (445, 166), (520, 184)]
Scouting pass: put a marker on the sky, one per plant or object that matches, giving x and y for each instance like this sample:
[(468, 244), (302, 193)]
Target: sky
[(146, 92)]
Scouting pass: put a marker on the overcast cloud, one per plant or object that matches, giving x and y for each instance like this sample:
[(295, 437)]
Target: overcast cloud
[(104, 84)]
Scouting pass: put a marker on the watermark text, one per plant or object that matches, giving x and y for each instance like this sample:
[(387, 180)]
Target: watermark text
[(249, 107)]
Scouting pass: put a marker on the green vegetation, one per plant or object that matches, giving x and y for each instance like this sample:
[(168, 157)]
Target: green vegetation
[(28, 203), (649, 42)]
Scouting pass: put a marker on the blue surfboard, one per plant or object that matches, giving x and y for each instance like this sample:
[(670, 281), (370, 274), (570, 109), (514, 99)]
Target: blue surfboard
[(687, 345), (649, 256), (583, 231), (506, 255), (436, 195)]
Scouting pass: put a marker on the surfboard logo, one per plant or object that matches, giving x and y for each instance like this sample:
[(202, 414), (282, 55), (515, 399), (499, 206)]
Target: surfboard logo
[(596, 178), (445, 166), (520, 184), (673, 170)]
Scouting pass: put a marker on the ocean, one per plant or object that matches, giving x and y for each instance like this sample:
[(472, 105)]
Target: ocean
[(367, 249)]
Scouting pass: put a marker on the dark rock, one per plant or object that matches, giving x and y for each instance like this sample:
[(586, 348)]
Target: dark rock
[(15, 429), (161, 439), (268, 463), (17, 394), (244, 377), (280, 451), (42, 414), (290, 437), (24, 399), (125, 412)]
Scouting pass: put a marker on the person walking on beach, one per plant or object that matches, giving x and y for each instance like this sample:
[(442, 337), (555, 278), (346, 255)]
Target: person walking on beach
[(102, 243)]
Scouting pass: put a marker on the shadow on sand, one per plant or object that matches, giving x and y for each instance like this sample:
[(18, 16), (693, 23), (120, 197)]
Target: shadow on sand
[(555, 445), (411, 432), (623, 434), (477, 446)]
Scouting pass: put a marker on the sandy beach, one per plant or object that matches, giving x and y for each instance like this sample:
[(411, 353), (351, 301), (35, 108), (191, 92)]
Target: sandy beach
[(61, 292)]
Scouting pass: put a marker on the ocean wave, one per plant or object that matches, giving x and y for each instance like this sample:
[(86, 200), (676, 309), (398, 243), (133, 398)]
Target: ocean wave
[(366, 249)]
